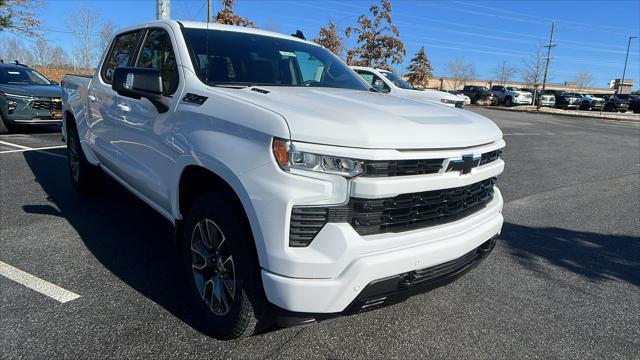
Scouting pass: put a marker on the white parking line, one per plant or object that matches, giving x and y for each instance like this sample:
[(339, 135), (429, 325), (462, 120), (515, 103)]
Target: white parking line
[(34, 283), (34, 149), (15, 145)]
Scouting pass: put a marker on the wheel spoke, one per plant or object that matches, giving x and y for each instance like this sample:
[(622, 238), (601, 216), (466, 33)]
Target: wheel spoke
[(213, 266), (229, 284)]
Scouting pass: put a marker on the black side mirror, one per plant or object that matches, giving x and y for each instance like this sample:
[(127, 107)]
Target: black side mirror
[(140, 83)]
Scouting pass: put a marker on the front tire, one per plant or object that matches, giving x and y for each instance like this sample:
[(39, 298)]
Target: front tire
[(221, 266), (86, 178)]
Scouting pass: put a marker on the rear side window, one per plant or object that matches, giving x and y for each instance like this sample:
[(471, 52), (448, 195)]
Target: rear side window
[(157, 53), (121, 52)]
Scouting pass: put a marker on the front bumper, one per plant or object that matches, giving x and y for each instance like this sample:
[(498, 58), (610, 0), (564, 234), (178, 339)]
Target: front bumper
[(23, 111), (521, 101), (326, 276), (435, 246)]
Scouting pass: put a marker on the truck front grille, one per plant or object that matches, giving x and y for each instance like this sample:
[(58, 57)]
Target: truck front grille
[(382, 168), (418, 210), (47, 104), (402, 167), (401, 213)]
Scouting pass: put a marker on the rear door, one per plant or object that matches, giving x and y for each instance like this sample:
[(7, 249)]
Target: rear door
[(105, 114)]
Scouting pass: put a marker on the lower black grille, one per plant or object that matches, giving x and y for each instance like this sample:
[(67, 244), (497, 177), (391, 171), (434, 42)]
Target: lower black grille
[(418, 210), (401, 213), (46, 105), (433, 273)]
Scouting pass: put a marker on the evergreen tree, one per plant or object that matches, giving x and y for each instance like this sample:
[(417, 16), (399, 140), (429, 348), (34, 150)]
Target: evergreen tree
[(420, 70)]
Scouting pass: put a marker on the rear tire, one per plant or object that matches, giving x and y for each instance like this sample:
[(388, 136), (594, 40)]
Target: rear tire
[(3, 127), (508, 102), (221, 266), (86, 178)]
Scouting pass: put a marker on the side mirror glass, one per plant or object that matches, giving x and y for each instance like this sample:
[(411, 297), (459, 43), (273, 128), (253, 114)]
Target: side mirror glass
[(139, 83)]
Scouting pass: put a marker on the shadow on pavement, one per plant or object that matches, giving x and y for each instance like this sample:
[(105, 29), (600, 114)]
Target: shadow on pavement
[(129, 238), (595, 256)]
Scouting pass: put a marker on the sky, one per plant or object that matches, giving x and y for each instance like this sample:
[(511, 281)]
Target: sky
[(590, 36)]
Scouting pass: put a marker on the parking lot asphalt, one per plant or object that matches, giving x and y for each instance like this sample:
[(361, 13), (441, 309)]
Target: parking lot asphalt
[(563, 281)]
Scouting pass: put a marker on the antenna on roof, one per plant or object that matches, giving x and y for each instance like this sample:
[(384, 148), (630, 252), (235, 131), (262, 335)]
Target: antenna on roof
[(299, 35)]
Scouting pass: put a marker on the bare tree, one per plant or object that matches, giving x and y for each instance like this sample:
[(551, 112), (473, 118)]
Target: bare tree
[(105, 35), (460, 71), (83, 25), (58, 57), (14, 49), (41, 52), (504, 73), (271, 25), (534, 68), (227, 16), (379, 42), (18, 16), (582, 79), (330, 39), (420, 70)]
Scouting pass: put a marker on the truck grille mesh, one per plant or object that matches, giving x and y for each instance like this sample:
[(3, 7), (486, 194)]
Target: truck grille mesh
[(401, 213), (46, 104), (418, 210)]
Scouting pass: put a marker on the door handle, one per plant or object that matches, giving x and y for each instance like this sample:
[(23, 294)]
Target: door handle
[(124, 107), (92, 97)]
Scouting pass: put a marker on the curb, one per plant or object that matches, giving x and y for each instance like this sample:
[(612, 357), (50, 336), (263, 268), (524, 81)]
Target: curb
[(581, 115)]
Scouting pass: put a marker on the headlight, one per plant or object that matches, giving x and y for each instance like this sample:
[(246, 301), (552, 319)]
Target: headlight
[(289, 158), (447, 101)]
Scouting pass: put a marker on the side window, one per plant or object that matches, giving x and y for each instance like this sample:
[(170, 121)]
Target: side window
[(367, 76), (120, 53), (157, 53)]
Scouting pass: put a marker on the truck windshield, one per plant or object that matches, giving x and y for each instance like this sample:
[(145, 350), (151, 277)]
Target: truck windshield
[(21, 76), (236, 58), (397, 80)]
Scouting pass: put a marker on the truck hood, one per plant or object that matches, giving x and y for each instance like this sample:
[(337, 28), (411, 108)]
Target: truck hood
[(32, 90), (365, 119)]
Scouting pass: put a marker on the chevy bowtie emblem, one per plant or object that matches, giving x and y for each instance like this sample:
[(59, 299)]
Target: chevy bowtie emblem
[(465, 164)]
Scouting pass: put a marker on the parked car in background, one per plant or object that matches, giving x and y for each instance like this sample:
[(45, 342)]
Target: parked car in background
[(459, 94), (545, 99), (296, 193), (388, 82), (591, 102), (617, 103), (475, 93), (27, 97), (565, 100), (511, 95), (634, 103), (541, 97)]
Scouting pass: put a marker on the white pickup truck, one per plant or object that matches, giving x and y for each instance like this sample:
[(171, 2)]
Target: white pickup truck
[(297, 192), (387, 82), (511, 95)]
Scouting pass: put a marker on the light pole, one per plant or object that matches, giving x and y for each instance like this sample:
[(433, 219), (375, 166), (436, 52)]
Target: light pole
[(625, 64)]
